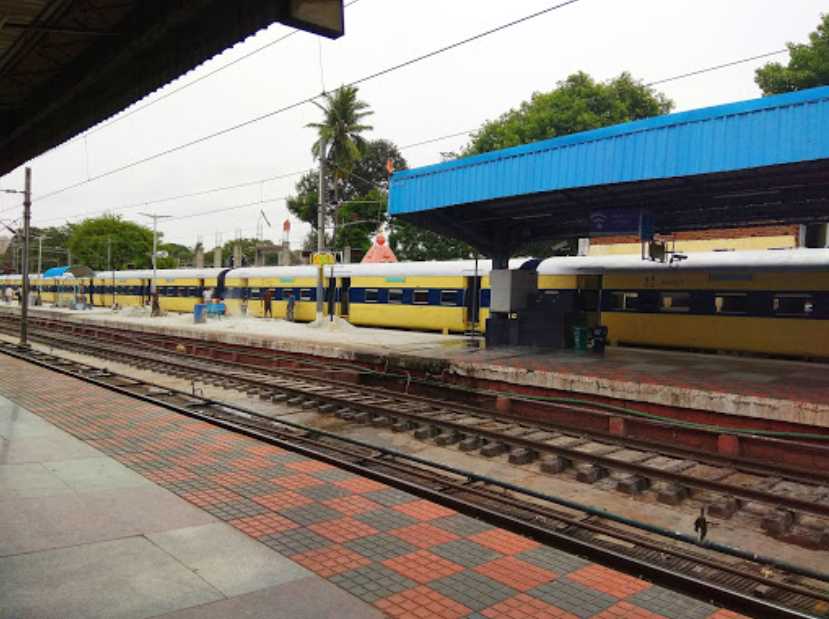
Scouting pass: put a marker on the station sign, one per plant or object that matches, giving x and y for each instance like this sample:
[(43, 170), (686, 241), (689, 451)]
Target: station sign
[(615, 221), (323, 259)]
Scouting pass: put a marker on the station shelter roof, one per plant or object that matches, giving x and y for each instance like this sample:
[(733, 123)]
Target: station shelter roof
[(753, 162), (67, 65)]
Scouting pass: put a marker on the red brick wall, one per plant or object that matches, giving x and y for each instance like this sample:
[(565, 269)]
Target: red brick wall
[(700, 235)]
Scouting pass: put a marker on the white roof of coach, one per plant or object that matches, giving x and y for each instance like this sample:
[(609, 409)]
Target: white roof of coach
[(251, 272), (762, 260), (425, 269), (162, 274)]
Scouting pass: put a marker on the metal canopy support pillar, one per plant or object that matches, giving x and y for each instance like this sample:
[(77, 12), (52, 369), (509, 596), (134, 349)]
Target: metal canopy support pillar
[(323, 201), (27, 217)]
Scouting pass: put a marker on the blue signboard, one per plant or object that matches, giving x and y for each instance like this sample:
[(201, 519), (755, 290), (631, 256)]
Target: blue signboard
[(613, 221)]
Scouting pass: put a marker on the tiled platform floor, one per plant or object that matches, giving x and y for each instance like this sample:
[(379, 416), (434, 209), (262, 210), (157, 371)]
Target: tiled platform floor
[(405, 556)]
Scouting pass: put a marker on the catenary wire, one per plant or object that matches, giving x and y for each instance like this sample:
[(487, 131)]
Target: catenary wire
[(404, 147), (306, 100)]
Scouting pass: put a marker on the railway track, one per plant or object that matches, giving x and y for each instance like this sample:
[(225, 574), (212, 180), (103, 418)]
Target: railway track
[(789, 503), (739, 581)]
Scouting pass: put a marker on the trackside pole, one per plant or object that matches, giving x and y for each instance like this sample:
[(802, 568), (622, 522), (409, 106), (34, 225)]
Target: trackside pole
[(27, 216)]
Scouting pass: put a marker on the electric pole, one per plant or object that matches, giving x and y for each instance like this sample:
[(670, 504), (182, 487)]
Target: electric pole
[(27, 216), (155, 218), (40, 255), (321, 230)]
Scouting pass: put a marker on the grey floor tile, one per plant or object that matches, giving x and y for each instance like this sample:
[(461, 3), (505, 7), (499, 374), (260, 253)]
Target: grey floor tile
[(228, 559), (309, 598), (121, 579)]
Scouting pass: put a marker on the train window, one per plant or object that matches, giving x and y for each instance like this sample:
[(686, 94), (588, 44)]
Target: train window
[(675, 302), (794, 304), (735, 303), (304, 294), (372, 295), (395, 295), (448, 297), (621, 301), (420, 297)]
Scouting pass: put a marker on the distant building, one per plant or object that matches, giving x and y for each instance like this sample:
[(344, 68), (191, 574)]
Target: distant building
[(730, 239)]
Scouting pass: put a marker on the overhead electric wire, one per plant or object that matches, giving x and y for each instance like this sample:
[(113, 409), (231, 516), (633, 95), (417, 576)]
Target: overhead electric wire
[(194, 194), (307, 100), (717, 67), (175, 91)]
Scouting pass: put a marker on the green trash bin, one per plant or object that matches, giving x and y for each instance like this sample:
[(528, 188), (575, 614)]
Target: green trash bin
[(580, 335)]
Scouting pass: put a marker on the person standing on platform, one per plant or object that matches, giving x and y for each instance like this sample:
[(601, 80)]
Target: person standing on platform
[(290, 308), (701, 525), (206, 294), (266, 303), (8, 293), (156, 305)]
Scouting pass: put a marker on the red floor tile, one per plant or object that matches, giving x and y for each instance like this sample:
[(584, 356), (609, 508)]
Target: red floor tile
[(626, 610), (608, 581), (523, 606), (515, 573), (360, 485), (263, 524), (330, 561), (352, 505), (423, 566), (421, 603), (278, 501), (294, 482), (309, 466), (424, 510), (342, 530), (424, 535), (505, 542)]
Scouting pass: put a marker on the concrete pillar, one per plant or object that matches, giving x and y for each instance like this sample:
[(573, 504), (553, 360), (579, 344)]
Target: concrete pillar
[(347, 254), (285, 255), (200, 257), (217, 257), (259, 258), (237, 256)]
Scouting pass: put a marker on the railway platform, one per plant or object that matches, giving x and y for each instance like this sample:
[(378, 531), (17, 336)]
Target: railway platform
[(119, 508), (753, 392)]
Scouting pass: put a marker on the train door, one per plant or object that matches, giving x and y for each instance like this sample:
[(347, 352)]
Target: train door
[(345, 288), (472, 301)]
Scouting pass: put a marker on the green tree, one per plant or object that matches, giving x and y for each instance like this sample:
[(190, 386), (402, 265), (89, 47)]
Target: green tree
[(177, 256), (132, 244), (53, 247), (341, 130), (362, 210), (808, 64), (578, 103), (248, 252), (408, 242)]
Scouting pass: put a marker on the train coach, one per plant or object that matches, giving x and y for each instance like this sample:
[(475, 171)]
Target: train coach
[(773, 302)]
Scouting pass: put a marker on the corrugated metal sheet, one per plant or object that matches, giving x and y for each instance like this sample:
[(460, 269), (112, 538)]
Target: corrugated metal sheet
[(782, 129)]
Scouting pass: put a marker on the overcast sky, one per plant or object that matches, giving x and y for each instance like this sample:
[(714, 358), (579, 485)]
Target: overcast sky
[(456, 91)]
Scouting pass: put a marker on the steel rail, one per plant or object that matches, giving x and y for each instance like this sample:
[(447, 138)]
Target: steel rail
[(540, 447), (713, 592)]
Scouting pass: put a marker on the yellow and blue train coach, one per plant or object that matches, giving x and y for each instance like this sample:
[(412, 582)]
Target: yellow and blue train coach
[(245, 288), (769, 302)]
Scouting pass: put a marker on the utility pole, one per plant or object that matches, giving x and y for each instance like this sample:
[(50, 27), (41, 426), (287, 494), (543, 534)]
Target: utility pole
[(40, 255), (155, 218), (27, 217), (109, 267), (321, 230)]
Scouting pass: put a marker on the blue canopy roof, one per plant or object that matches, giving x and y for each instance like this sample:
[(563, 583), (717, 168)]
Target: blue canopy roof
[(774, 130), (56, 271)]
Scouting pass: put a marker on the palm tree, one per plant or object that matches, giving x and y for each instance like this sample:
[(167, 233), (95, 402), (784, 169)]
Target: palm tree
[(341, 131)]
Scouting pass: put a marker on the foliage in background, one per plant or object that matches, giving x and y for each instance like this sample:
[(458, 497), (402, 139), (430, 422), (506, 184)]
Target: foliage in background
[(412, 243), (54, 246), (132, 244), (178, 256), (808, 65), (363, 193), (579, 103)]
